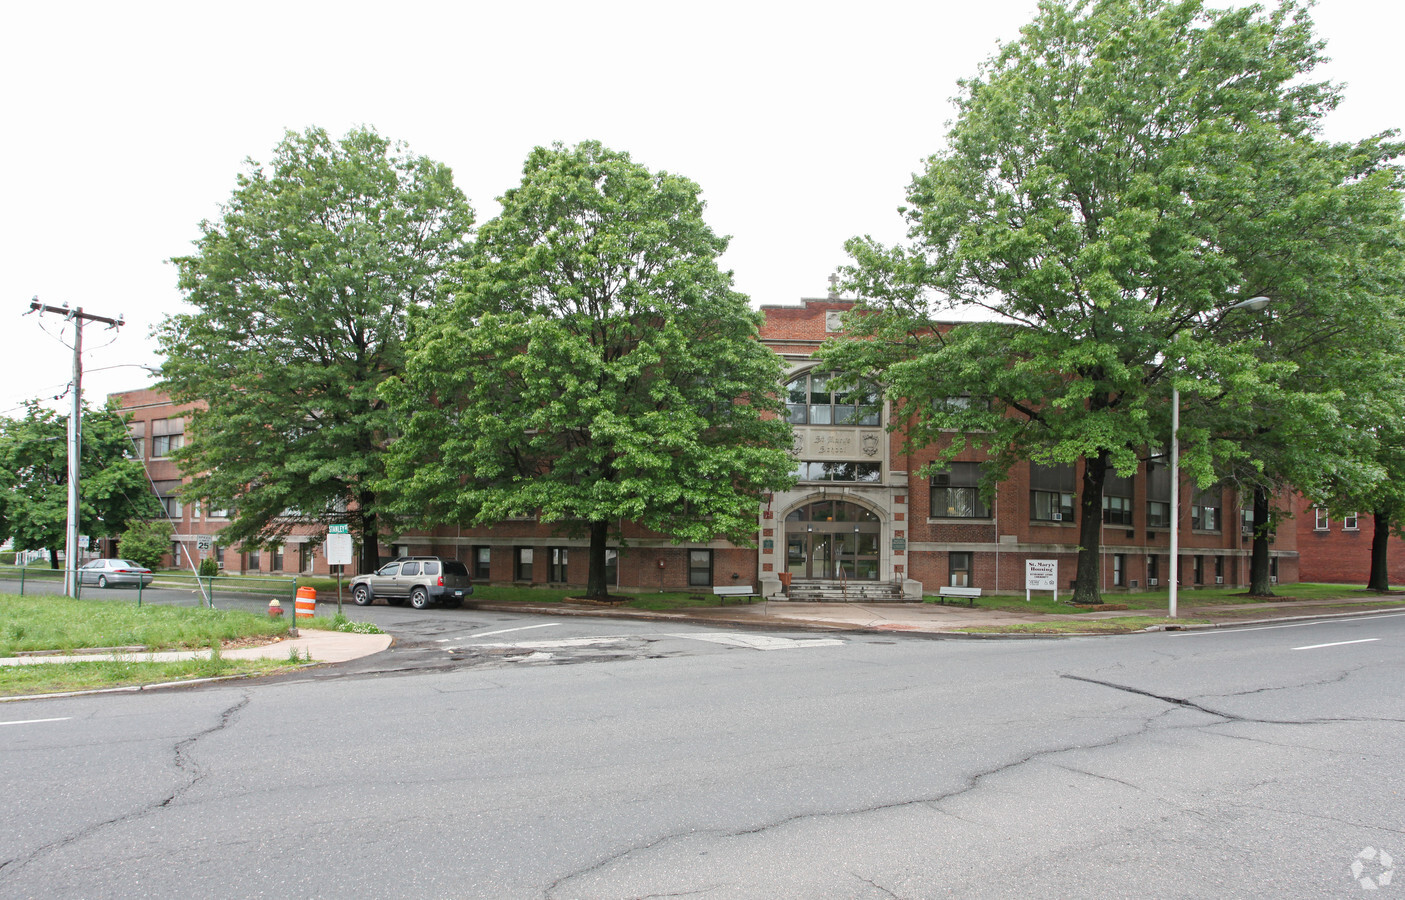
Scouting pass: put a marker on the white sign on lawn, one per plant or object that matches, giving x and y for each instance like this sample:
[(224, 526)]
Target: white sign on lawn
[(1041, 575)]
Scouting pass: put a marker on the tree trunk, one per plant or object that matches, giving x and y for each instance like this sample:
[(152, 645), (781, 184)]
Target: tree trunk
[(1087, 586), (1258, 563), (595, 586), (370, 540), (1380, 540)]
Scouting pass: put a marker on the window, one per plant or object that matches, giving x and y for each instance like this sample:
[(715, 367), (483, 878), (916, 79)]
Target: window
[(958, 569), (167, 436), (1246, 522), (1117, 500), (1197, 569), (1350, 522), (1158, 495), (136, 431), (522, 570), (306, 554), (410, 568), (251, 561), (1219, 570), (1051, 492), (1273, 568), (612, 567), (700, 568), (1153, 571), (1321, 522), (166, 493), (956, 493), (1206, 512), (807, 470), (813, 401), (1119, 569), (482, 558), (556, 571), (275, 558)]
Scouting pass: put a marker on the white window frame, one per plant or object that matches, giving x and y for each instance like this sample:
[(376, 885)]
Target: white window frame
[(1352, 522), (1321, 521)]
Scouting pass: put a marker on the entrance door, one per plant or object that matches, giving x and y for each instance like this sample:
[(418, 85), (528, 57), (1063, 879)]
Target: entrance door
[(832, 539)]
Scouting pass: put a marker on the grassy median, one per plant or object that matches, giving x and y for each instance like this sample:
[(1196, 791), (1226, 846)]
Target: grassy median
[(46, 623)]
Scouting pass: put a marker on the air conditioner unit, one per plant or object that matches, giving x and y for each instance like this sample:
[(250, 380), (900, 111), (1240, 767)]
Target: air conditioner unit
[(1273, 579), (1152, 582), (1134, 582), (1057, 517), (1219, 579), (941, 479)]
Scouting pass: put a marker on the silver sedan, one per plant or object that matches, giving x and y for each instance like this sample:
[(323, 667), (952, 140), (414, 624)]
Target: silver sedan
[(114, 573)]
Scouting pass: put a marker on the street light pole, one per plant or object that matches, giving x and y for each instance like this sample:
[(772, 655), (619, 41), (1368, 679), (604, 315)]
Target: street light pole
[(1252, 305)]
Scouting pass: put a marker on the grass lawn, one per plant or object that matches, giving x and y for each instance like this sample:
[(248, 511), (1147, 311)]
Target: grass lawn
[(61, 623), (1191, 598)]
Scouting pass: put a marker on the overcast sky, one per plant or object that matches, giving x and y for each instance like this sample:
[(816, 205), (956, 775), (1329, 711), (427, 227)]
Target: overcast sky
[(126, 124)]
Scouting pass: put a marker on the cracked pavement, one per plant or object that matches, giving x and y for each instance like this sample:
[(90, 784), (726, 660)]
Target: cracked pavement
[(1232, 764)]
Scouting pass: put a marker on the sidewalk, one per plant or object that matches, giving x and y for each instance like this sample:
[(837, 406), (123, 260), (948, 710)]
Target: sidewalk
[(933, 618), (319, 646)]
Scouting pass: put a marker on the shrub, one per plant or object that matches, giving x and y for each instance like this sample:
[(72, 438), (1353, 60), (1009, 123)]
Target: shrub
[(146, 541), (209, 568)]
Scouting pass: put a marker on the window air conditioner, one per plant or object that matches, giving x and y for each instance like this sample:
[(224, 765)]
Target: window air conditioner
[(1273, 579), (941, 479), (1134, 582), (1219, 579), (1152, 582), (1057, 517)]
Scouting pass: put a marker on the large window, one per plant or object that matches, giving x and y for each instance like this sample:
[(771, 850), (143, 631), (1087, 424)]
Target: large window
[(956, 493), (556, 570), (167, 437), (482, 558), (1117, 500), (275, 558), (1158, 495), (166, 492), (251, 561), (813, 400), (1051, 492), (700, 568), (136, 431), (1321, 521), (523, 564), (1207, 512), (813, 470)]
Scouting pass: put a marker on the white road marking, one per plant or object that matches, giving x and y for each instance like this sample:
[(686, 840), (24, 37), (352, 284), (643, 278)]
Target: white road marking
[(36, 721), (491, 633), (760, 641), (1217, 631), (1337, 644)]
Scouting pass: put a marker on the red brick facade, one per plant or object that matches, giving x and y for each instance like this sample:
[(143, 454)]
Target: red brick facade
[(1337, 549)]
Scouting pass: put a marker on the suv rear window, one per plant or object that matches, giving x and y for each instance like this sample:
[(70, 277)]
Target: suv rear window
[(454, 567), (431, 568)]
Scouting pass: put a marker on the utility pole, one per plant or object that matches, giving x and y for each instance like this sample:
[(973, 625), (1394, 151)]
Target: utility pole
[(75, 431)]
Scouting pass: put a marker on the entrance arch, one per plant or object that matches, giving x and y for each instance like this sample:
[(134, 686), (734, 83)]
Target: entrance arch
[(830, 539)]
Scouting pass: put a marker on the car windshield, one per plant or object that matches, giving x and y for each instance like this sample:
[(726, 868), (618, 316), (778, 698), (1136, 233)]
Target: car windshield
[(392, 569)]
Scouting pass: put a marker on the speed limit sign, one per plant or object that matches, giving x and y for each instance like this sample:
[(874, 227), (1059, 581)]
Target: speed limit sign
[(204, 543)]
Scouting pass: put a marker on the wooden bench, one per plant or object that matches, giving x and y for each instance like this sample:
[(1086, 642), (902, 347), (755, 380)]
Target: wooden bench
[(969, 594), (740, 590)]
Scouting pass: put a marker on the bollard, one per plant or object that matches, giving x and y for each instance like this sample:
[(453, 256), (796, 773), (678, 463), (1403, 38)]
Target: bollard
[(306, 603), (275, 609)]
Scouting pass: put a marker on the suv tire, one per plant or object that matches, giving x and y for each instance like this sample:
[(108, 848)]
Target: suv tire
[(362, 595), (419, 598)]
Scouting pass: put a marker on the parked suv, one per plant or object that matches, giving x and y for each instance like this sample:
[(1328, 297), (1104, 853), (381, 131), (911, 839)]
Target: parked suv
[(421, 580)]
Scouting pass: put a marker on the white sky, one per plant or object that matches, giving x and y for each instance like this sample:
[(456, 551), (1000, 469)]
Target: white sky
[(126, 124)]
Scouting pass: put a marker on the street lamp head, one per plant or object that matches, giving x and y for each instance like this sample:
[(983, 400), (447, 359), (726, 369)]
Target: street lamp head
[(1252, 305)]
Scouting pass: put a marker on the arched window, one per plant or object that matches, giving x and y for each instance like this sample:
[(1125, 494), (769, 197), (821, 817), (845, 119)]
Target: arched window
[(812, 401)]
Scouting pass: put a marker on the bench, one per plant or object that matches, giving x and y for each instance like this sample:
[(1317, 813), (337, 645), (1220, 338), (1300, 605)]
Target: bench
[(969, 594), (740, 590)]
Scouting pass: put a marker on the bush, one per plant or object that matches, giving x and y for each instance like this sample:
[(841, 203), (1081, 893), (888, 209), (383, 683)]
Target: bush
[(146, 541), (209, 568)]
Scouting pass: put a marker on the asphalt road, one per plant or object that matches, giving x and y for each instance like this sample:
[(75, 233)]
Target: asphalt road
[(501, 756)]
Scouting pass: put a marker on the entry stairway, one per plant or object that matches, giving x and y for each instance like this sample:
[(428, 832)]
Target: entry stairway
[(844, 592)]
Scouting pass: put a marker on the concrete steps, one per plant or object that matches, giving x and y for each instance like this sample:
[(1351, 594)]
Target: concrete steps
[(848, 592)]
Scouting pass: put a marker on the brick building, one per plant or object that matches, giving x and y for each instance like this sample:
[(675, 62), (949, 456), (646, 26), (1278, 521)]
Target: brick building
[(859, 522), (1337, 550)]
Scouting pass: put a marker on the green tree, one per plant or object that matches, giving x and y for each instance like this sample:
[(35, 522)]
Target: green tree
[(146, 541), (301, 296), (34, 475), (595, 366), (1117, 179)]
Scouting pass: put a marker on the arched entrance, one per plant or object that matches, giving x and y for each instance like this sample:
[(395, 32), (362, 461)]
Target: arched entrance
[(831, 539)]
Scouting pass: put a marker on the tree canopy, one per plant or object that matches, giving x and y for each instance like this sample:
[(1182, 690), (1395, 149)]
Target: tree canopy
[(595, 366), (301, 294), (1118, 178), (34, 479)]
